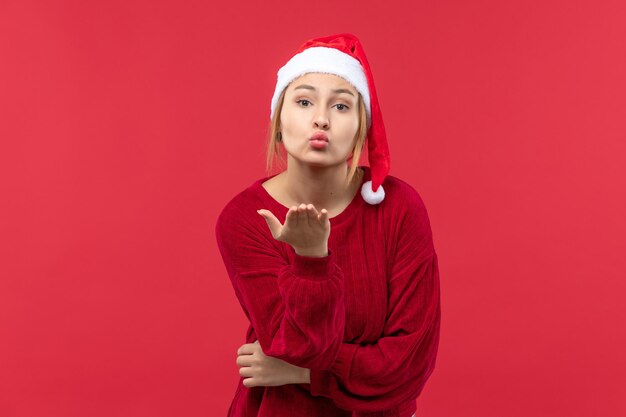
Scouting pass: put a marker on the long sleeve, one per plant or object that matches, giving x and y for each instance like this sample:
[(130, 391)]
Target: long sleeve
[(297, 310), (373, 378)]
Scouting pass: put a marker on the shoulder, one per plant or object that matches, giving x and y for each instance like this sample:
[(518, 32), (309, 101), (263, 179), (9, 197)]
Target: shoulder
[(405, 214), (402, 198)]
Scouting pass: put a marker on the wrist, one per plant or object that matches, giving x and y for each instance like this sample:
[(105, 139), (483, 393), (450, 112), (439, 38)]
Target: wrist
[(313, 252)]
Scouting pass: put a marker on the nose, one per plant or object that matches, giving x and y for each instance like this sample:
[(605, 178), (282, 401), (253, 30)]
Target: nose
[(321, 120)]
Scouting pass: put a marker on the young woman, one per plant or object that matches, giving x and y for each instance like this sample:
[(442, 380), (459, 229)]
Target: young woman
[(333, 263)]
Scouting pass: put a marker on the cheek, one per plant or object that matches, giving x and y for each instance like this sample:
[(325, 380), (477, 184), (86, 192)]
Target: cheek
[(355, 125), (286, 121), (351, 128)]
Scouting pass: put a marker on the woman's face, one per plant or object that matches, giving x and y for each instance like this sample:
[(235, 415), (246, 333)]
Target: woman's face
[(317, 102)]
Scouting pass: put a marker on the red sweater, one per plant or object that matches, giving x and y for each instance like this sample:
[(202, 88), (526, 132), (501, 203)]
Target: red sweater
[(365, 319)]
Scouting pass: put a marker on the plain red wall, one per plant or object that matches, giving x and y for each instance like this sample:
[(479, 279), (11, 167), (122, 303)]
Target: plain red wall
[(126, 126)]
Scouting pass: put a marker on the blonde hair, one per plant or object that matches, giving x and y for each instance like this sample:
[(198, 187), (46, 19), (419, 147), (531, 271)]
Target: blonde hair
[(274, 148)]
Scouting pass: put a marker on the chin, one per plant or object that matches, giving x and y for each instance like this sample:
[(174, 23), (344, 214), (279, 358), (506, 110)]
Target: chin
[(318, 159)]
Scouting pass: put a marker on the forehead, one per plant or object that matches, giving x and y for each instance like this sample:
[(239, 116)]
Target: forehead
[(322, 81)]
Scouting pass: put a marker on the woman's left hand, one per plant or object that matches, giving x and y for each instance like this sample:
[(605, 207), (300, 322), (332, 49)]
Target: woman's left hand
[(261, 370)]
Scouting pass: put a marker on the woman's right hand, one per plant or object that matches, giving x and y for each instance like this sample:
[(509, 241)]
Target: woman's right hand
[(305, 229)]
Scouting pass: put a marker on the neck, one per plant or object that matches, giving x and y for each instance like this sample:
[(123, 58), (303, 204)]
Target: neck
[(324, 187)]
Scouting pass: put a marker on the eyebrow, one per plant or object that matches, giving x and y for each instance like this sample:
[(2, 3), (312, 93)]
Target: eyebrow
[(337, 91)]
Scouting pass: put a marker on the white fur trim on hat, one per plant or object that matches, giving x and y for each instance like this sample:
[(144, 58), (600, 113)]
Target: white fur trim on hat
[(325, 60), (370, 196)]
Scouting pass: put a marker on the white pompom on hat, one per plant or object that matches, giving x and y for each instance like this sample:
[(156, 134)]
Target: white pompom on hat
[(343, 55)]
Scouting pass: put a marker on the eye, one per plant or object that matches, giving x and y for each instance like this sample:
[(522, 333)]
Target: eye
[(343, 108)]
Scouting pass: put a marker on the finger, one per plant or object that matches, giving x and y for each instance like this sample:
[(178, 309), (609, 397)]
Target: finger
[(313, 215), (245, 371), (302, 213), (307, 211), (244, 360), (291, 218), (249, 382), (246, 349), (323, 216), (271, 220)]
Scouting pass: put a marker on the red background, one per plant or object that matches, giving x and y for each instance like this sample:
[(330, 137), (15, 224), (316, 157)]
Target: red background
[(126, 126)]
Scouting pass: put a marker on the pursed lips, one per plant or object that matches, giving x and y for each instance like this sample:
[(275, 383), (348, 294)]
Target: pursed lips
[(319, 136)]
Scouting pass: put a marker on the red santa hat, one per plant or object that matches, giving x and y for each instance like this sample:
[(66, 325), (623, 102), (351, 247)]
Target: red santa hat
[(343, 55)]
